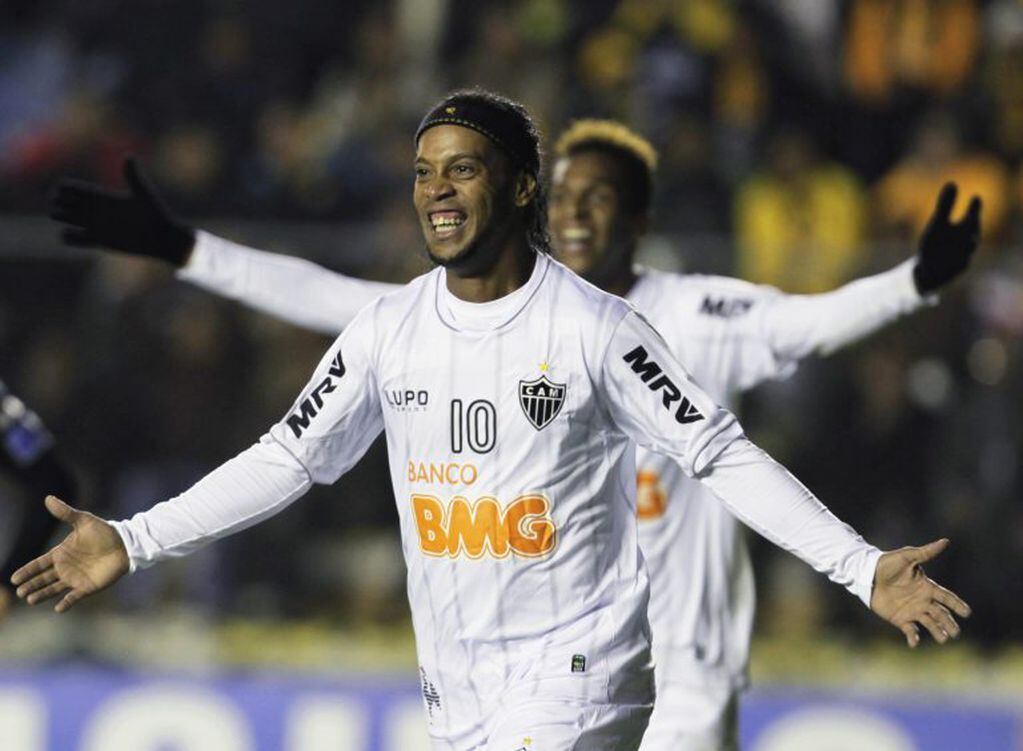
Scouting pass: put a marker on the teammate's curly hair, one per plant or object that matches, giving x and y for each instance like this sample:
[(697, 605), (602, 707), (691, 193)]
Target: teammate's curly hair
[(636, 155)]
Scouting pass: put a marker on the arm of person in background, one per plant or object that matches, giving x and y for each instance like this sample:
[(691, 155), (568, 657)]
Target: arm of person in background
[(311, 445), (28, 455), (796, 326), (653, 400), (140, 223)]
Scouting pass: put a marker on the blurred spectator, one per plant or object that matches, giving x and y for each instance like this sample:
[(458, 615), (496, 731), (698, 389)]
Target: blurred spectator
[(904, 197), (1004, 74), (925, 45), (800, 221)]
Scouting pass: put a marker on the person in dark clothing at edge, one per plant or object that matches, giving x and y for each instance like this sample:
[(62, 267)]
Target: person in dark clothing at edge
[(30, 463)]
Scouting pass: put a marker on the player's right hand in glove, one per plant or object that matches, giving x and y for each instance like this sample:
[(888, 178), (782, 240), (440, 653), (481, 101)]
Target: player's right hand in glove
[(88, 561), (136, 221), (946, 247)]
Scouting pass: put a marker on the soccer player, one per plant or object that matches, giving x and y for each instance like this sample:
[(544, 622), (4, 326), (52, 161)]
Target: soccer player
[(732, 335), (511, 392), (28, 458)]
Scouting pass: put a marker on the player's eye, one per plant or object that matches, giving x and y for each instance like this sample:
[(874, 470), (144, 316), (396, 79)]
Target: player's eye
[(463, 170), (421, 173)]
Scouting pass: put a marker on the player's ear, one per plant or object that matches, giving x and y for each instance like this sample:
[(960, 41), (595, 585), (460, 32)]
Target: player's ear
[(525, 189)]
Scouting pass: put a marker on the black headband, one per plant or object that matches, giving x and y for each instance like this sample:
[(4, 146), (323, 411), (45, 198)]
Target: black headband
[(511, 135)]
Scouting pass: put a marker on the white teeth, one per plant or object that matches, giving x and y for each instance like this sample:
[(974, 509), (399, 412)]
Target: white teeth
[(444, 221), (577, 233)]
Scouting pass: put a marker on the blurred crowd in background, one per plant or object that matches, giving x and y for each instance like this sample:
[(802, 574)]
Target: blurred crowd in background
[(802, 144)]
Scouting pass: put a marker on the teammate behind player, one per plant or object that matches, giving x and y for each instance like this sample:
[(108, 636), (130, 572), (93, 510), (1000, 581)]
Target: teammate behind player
[(540, 384), (732, 335)]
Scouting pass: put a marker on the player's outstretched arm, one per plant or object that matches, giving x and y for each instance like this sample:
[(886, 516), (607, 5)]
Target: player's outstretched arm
[(654, 401), (907, 598), (292, 289), (88, 560), (797, 326), (139, 222), (330, 427)]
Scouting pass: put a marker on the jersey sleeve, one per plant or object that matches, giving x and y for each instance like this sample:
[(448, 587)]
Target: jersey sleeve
[(291, 289), (765, 496), (327, 430), (796, 326), (653, 401)]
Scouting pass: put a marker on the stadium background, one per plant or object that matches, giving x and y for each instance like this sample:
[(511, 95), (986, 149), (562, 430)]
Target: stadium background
[(802, 144)]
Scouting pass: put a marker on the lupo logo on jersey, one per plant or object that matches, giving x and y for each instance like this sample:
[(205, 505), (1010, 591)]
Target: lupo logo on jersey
[(524, 527), (407, 400), (647, 369), (313, 403), (541, 400)]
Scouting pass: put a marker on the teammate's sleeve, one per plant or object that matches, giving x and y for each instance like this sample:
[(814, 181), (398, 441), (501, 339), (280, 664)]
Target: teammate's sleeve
[(655, 402), (796, 326), (291, 289), (327, 430)]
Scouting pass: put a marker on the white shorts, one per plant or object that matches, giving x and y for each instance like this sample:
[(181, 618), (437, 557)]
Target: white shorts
[(688, 717), (564, 726)]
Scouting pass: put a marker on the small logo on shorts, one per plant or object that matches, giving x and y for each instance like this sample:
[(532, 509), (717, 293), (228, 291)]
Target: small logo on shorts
[(578, 663), (430, 693)]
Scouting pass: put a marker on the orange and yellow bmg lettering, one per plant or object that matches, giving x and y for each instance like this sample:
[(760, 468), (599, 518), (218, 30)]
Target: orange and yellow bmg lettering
[(523, 527)]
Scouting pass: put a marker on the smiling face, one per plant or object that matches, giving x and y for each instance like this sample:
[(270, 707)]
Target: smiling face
[(464, 194), (591, 231)]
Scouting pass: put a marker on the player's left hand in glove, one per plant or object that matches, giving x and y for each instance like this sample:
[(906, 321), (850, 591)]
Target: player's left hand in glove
[(945, 246), (905, 597), (136, 221), (89, 560)]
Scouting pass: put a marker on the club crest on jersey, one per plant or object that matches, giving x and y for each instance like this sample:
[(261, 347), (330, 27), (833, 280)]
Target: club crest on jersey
[(541, 400)]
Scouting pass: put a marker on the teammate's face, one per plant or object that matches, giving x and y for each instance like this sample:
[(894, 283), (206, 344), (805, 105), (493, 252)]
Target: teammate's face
[(591, 232), (463, 193)]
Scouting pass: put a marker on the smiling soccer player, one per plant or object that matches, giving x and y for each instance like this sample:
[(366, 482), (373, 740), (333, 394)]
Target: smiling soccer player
[(528, 596)]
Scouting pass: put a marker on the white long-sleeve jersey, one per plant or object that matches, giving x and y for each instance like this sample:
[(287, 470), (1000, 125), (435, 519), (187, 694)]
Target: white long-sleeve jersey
[(731, 334)]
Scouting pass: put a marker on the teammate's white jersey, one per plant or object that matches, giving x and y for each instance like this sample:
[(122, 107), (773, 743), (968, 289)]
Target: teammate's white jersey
[(510, 429), (732, 335)]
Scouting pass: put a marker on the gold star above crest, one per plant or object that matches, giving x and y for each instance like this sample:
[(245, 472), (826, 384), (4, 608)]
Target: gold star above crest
[(544, 367), (450, 110)]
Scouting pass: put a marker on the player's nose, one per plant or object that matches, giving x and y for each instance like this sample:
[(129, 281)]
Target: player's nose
[(439, 187)]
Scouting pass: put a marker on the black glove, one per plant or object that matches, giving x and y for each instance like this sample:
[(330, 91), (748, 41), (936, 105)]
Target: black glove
[(945, 248), (136, 222)]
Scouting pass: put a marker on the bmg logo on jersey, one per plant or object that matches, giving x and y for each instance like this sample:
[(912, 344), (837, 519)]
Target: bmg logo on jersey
[(407, 400), (524, 527)]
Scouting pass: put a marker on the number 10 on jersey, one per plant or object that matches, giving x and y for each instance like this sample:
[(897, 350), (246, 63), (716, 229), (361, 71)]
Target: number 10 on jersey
[(474, 426)]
